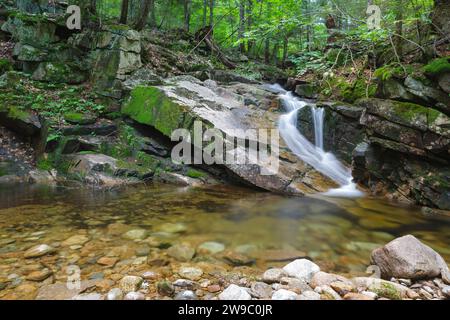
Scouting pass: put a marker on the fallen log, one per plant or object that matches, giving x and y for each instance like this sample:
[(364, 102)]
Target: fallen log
[(204, 35)]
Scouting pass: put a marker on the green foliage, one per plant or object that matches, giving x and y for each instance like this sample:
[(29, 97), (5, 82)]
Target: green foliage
[(392, 70), (310, 61), (5, 65)]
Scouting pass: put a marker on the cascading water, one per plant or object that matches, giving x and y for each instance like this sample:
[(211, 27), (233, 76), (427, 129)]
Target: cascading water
[(324, 162)]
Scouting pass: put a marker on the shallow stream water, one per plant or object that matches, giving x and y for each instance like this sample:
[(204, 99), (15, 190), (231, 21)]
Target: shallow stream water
[(268, 229)]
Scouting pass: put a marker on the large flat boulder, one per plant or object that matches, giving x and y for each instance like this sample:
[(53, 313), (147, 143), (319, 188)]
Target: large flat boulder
[(183, 100), (408, 258)]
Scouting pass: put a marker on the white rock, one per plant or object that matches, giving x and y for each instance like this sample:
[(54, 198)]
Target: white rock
[(114, 294), (38, 251), (234, 292), (211, 247), (284, 294), (134, 296), (135, 234), (446, 291), (302, 269), (309, 295), (88, 296), (130, 283), (190, 273), (370, 294), (273, 275)]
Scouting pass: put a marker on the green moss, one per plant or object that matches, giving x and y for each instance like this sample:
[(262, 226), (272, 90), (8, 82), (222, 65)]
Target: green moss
[(387, 290), (437, 67), (5, 65), (350, 92), (78, 118), (195, 174), (393, 70), (410, 111), (16, 113), (73, 117), (150, 106)]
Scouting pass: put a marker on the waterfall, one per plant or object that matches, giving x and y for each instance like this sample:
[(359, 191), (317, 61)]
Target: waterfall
[(318, 117), (314, 155)]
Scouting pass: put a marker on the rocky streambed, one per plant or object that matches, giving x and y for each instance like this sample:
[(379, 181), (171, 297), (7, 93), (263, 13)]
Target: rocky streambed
[(166, 242)]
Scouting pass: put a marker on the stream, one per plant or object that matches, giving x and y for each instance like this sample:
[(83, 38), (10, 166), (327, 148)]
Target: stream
[(258, 229)]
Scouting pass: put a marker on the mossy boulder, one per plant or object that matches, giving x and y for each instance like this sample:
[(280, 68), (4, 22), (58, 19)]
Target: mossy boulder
[(437, 67), (33, 30), (307, 90), (21, 121), (79, 118), (151, 106), (58, 73), (404, 113), (25, 52)]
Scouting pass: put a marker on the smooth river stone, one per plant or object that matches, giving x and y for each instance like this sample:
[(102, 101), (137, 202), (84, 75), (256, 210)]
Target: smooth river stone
[(211, 247), (234, 292), (181, 252), (302, 269), (76, 240), (39, 275), (190, 273), (38, 251), (135, 234)]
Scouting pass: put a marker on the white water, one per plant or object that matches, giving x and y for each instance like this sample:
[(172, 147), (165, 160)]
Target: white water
[(315, 155)]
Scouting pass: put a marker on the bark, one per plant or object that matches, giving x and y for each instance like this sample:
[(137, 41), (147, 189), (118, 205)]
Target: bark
[(398, 41), (440, 17), (205, 34), (205, 10), (143, 16), (285, 50), (187, 14), (211, 13), (267, 51), (124, 12), (241, 25), (251, 43)]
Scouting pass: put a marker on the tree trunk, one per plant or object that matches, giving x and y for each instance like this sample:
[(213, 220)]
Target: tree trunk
[(440, 17), (398, 41), (285, 50), (275, 54), (267, 51), (205, 11), (211, 13), (142, 18), (187, 15), (205, 34), (93, 7), (250, 43), (241, 25), (124, 12), (152, 21)]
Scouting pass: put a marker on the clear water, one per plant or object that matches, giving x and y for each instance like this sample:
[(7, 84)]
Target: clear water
[(338, 234)]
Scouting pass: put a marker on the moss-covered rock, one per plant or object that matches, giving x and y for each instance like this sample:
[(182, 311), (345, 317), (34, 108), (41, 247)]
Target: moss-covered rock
[(79, 118), (151, 106), (437, 67), (34, 30), (58, 73), (21, 121), (25, 52)]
